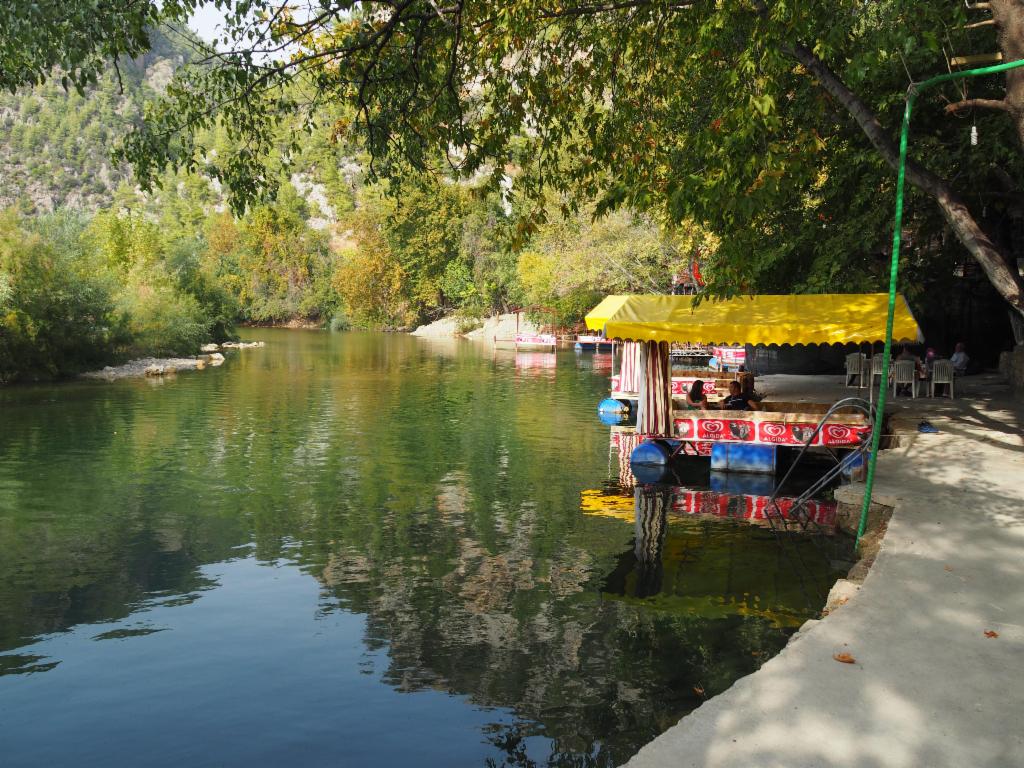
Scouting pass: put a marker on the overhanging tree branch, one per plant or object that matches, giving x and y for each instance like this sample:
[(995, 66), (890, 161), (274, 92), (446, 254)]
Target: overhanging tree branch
[(960, 106), (989, 256)]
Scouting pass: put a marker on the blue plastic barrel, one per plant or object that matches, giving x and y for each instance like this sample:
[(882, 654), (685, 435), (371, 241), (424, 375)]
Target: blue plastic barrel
[(609, 405), (649, 461)]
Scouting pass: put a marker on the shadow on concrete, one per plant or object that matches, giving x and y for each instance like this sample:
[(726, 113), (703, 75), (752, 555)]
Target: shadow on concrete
[(928, 688)]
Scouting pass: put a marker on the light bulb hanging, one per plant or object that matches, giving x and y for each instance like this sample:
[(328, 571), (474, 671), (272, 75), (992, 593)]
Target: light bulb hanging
[(974, 135)]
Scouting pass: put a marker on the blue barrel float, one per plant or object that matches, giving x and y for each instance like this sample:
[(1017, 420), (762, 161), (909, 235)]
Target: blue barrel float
[(611, 405), (649, 461), (613, 412)]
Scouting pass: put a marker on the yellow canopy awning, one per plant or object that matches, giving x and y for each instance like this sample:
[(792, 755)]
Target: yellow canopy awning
[(831, 318), (599, 315)]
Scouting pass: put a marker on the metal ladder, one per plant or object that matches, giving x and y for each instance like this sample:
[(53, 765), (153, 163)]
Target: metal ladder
[(798, 516)]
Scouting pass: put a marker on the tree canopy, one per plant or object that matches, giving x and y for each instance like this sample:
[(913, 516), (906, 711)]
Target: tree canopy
[(770, 123), (80, 37)]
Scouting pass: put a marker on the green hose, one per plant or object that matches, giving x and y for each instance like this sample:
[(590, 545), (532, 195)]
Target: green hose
[(876, 432)]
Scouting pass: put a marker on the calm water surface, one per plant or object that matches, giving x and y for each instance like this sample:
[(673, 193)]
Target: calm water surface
[(363, 550)]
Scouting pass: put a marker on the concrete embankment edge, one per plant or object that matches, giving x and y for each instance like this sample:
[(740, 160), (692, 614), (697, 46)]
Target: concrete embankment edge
[(929, 687)]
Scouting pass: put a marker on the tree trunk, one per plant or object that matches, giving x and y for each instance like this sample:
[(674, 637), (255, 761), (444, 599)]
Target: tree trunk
[(1009, 18), (998, 265), (1017, 325)]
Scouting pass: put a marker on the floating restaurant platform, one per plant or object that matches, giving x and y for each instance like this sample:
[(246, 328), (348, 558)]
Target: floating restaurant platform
[(647, 325)]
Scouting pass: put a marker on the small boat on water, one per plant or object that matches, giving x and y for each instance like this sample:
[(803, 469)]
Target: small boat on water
[(728, 359), (530, 341), (593, 343)]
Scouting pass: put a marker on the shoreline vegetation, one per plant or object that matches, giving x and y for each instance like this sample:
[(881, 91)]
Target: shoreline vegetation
[(501, 326), (81, 291)]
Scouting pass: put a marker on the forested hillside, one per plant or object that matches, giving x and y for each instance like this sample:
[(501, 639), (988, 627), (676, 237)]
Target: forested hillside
[(92, 269), (55, 143)]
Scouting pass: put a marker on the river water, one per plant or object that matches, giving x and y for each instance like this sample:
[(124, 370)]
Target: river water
[(360, 549)]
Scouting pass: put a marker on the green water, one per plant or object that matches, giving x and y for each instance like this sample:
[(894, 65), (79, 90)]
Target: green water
[(353, 550)]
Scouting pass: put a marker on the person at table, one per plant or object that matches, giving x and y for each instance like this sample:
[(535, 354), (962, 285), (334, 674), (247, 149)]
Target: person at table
[(738, 400), (920, 371), (959, 359), (696, 398), (906, 354)]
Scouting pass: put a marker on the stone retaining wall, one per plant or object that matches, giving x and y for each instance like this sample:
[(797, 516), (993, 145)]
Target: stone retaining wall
[(1011, 365)]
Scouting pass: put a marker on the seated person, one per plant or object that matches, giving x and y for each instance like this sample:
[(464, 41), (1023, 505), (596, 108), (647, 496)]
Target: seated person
[(738, 400), (959, 359), (929, 359), (696, 398), (919, 370)]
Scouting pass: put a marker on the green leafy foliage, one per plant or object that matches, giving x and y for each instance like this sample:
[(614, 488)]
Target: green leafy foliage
[(406, 162), (57, 311), (707, 112), (161, 319), (77, 36)]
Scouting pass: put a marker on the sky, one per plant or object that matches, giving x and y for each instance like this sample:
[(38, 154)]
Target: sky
[(205, 20)]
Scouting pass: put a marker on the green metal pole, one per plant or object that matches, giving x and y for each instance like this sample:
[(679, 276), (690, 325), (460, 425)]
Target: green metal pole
[(876, 432)]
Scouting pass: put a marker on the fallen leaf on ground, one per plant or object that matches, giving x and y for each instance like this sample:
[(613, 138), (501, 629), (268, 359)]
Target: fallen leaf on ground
[(991, 633), (844, 658), (947, 568)]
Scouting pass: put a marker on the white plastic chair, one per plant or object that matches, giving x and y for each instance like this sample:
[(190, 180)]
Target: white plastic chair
[(855, 368), (942, 373), (876, 369), (904, 372)]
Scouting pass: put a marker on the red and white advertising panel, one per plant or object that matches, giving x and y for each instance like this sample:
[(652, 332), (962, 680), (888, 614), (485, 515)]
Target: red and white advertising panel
[(841, 434), (685, 428), (727, 429), (782, 433), (680, 385)]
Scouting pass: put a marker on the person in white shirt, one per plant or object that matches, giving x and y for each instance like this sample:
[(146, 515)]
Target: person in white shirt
[(959, 359)]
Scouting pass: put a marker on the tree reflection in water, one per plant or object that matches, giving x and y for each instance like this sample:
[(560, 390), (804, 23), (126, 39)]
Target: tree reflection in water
[(428, 490)]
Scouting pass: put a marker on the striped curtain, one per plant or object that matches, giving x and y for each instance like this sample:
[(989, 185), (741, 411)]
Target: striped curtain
[(651, 508), (630, 372), (627, 442), (654, 400)]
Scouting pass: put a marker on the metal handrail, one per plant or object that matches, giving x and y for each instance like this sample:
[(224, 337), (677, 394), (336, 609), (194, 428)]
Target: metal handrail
[(800, 504)]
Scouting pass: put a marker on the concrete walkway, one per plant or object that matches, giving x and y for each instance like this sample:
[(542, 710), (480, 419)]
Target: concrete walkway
[(928, 688)]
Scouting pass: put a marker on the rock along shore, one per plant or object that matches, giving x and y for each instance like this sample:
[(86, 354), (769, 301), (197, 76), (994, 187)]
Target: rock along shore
[(168, 366), (500, 326)]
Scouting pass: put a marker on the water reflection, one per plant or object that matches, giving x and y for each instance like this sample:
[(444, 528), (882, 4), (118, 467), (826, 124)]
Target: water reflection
[(281, 559), (718, 543)]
